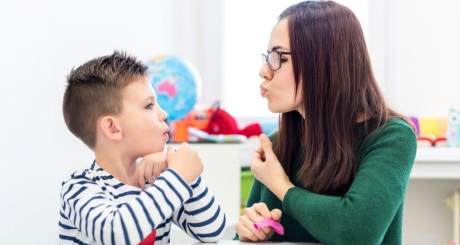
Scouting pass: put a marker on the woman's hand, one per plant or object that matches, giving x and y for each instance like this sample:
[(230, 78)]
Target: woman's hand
[(268, 170), (149, 168), (245, 226)]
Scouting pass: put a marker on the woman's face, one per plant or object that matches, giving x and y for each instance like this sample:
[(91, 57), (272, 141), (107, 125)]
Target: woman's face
[(279, 86)]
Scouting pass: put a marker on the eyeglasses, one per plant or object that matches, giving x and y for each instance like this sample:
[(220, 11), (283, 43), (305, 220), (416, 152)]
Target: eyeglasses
[(273, 58)]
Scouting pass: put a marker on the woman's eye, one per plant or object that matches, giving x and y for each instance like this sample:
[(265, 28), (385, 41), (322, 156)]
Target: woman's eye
[(283, 60)]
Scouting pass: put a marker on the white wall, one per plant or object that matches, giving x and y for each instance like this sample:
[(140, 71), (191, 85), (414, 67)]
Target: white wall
[(415, 49), (40, 41)]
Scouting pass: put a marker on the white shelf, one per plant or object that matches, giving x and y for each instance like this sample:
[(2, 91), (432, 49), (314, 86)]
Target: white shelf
[(430, 162), (438, 154), (436, 163)]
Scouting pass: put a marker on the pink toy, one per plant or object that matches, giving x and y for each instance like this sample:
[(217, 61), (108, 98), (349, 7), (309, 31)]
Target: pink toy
[(272, 223)]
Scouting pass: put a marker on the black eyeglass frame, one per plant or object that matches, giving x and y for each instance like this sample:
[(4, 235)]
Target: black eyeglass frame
[(265, 56)]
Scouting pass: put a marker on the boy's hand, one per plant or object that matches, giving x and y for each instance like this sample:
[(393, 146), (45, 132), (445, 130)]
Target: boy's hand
[(185, 162), (149, 168)]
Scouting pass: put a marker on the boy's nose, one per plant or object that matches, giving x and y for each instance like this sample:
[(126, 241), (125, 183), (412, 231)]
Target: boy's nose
[(164, 115)]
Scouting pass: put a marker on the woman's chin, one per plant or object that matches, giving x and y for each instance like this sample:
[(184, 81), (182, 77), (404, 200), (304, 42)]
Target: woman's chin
[(273, 109), (278, 110)]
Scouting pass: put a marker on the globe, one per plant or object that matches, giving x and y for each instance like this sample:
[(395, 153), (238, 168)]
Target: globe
[(177, 84)]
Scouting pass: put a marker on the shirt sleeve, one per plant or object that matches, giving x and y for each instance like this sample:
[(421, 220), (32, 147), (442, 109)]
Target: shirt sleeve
[(366, 211), (201, 216), (95, 214)]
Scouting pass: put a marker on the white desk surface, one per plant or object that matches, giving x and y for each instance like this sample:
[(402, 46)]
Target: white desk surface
[(226, 242)]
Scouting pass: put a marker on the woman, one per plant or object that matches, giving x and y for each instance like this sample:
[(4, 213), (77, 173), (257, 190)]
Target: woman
[(341, 159)]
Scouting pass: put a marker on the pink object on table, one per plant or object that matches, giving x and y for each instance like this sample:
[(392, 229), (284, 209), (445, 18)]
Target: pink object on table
[(270, 222)]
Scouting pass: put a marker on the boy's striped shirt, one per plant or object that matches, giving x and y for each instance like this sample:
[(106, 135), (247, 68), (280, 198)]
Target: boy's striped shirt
[(98, 209)]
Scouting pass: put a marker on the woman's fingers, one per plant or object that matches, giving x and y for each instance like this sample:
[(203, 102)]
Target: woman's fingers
[(262, 209), (267, 145), (261, 212), (257, 155), (276, 214), (249, 224), (259, 150), (258, 211), (244, 233)]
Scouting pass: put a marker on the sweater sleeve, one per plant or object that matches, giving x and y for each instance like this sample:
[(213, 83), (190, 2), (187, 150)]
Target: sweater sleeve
[(364, 214), (96, 215), (201, 216)]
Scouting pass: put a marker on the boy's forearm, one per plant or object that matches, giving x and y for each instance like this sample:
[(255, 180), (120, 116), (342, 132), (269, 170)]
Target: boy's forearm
[(203, 216)]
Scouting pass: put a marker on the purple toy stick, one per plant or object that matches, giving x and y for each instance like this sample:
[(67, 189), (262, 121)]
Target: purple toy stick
[(270, 222)]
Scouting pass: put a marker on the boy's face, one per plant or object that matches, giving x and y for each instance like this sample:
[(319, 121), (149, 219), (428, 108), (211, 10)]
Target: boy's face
[(142, 121)]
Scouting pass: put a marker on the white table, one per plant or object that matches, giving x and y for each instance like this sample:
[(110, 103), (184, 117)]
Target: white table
[(435, 175), (227, 242)]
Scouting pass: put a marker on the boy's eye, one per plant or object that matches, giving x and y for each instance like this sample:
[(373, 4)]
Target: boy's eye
[(149, 106)]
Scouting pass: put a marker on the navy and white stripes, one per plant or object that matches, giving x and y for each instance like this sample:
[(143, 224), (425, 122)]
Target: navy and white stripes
[(98, 209)]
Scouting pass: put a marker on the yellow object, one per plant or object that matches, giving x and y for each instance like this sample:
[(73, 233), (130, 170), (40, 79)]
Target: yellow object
[(433, 126), (442, 126)]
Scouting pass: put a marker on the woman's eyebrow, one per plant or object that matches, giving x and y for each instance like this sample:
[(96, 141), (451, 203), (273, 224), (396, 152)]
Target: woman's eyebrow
[(278, 47)]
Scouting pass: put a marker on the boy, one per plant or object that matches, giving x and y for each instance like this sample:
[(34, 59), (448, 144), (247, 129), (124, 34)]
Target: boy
[(111, 106)]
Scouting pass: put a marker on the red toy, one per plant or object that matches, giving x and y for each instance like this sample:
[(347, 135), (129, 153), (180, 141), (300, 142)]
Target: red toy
[(221, 122)]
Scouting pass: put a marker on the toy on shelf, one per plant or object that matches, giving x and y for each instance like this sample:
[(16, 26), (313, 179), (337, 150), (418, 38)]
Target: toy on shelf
[(453, 130), (221, 122), (216, 125), (220, 138), (430, 130), (179, 128)]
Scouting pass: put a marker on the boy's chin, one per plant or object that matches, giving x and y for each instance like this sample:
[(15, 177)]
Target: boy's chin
[(158, 148), (152, 150)]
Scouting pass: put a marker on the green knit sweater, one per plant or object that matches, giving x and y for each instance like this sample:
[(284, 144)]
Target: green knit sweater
[(371, 211)]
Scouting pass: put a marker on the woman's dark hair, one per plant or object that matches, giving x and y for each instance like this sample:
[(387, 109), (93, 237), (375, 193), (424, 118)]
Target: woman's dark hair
[(331, 61)]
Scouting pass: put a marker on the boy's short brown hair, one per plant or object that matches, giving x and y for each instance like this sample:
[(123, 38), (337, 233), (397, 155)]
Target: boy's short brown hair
[(94, 89)]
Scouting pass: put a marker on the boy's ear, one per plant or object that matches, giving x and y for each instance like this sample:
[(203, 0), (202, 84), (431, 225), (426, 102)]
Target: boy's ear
[(110, 128)]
